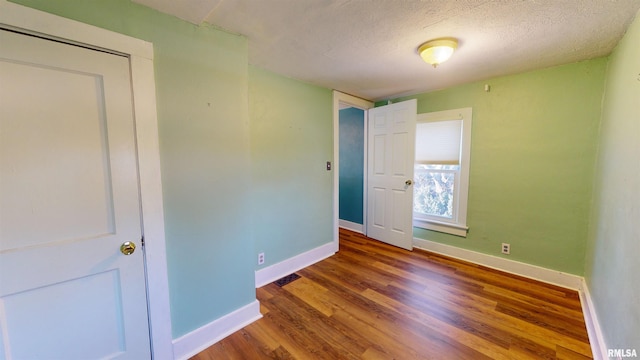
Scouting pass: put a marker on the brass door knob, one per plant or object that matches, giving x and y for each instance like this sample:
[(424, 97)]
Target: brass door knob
[(408, 182), (127, 248)]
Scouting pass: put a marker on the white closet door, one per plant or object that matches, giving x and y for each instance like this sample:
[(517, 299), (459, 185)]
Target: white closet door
[(68, 200)]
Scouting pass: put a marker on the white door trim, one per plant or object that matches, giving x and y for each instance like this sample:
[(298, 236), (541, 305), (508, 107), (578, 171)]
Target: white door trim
[(338, 98), (13, 16)]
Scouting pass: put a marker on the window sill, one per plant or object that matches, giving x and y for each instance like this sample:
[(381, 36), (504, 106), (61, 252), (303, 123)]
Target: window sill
[(453, 229)]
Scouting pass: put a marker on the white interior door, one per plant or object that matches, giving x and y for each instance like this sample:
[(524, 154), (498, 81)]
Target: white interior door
[(391, 144), (68, 200)]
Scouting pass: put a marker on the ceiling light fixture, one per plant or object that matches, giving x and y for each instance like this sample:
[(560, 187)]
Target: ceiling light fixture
[(437, 51)]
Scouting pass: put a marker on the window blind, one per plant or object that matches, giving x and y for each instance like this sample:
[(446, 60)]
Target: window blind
[(438, 142)]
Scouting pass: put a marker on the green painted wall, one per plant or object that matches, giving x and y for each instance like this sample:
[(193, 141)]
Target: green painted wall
[(202, 93), (351, 165), (291, 141), (613, 251), (532, 160)]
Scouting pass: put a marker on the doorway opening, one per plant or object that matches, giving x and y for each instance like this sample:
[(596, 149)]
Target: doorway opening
[(352, 202), (352, 169)]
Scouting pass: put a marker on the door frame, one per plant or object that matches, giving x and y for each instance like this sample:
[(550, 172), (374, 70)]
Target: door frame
[(356, 102), (30, 21)]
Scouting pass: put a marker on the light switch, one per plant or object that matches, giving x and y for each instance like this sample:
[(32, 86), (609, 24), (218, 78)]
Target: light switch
[(328, 165)]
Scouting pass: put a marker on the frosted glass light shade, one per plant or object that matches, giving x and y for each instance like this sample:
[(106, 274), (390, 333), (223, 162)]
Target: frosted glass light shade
[(435, 52)]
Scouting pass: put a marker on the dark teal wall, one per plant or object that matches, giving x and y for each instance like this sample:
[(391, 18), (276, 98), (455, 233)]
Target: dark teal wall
[(351, 164)]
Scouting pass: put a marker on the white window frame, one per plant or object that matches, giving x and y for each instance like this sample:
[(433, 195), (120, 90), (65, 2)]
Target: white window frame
[(457, 225)]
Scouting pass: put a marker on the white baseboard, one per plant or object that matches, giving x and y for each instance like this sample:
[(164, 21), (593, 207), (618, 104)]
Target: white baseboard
[(351, 226), (291, 265), (196, 341), (554, 277), (596, 338)]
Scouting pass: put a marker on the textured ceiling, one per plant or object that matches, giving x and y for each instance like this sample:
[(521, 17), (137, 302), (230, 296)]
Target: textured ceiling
[(368, 48)]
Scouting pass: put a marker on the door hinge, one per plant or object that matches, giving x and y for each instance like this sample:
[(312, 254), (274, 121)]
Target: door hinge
[(142, 241)]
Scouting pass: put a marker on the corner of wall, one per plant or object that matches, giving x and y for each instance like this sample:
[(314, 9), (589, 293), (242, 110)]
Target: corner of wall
[(596, 337), (199, 339)]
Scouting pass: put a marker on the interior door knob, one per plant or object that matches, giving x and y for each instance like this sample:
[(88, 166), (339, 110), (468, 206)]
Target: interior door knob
[(127, 248), (408, 182)]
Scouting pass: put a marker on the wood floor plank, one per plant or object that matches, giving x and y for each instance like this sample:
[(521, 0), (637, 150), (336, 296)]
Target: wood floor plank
[(401, 329), (383, 345), (312, 294), (471, 340), (563, 353), (375, 301), (263, 337), (561, 324), (500, 294), (524, 348), (366, 312)]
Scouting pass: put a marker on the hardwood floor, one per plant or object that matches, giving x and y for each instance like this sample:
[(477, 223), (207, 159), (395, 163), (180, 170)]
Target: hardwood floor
[(374, 301)]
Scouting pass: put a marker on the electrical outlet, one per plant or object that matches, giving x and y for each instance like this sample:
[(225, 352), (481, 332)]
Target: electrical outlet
[(506, 248), (260, 258)]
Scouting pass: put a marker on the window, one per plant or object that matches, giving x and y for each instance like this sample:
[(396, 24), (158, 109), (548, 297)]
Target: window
[(443, 148)]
